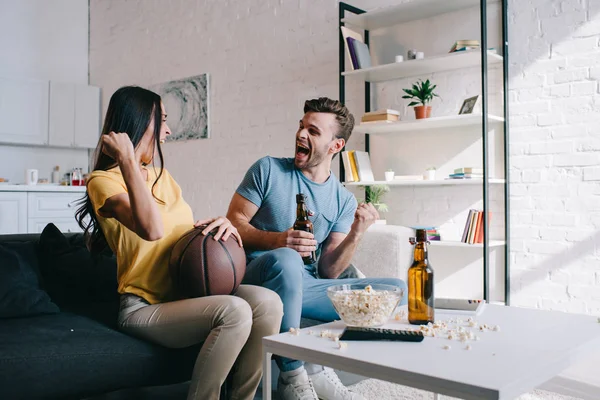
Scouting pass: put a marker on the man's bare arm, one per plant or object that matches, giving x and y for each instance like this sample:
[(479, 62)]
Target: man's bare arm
[(339, 248), (240, 213)]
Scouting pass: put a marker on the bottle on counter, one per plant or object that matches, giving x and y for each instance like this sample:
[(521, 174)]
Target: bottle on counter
[(56, 175)]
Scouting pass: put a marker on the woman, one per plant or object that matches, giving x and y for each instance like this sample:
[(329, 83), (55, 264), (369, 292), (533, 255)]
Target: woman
[(139, 212)]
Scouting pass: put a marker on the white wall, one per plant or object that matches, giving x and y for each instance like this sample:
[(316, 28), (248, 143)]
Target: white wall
[(266, 57), (43, 40), (555, 158)]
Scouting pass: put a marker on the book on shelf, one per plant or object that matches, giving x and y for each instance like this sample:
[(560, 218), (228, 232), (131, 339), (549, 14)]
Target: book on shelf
[(363, 56), (363, 165), (462, 44), (379, 118), (382, 112), (349, 176), (473, 232), (353, 57), (465, 176), (349, 155), (349, 33), (381, 115), (468, 170), (357, 166), (433, 234)]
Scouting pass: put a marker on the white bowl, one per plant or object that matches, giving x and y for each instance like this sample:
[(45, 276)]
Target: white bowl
[(365, 305)]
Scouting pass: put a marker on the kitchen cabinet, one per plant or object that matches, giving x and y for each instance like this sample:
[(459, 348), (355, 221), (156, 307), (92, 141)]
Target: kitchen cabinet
[(24, 111), (74, 115), (28, 209), (13, 212)]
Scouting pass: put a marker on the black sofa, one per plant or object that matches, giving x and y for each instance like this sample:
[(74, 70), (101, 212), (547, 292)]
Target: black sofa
[(64, 344)]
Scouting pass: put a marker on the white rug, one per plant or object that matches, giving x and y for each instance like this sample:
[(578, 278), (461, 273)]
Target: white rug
[(373, 389)]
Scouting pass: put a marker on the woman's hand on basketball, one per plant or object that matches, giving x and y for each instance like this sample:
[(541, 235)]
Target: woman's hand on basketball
[(225, 230), (301, 241), (118, 146)]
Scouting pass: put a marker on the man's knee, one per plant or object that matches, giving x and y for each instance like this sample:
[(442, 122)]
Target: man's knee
[(285, 262), (283, 271)]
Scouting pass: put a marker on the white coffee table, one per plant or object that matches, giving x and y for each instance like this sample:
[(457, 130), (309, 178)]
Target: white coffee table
[(531, 347)]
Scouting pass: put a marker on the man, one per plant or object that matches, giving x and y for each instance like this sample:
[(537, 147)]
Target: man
[(263, 209)]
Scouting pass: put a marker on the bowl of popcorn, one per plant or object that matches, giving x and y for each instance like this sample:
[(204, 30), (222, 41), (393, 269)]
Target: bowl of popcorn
[(365, 305)]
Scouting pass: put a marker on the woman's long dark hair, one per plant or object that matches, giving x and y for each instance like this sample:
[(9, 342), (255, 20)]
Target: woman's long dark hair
[(130, 110)]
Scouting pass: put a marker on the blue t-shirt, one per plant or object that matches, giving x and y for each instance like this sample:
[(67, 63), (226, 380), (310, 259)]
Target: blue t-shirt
[(272, 185)]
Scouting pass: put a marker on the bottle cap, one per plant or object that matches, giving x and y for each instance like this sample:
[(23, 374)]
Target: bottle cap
[(421, 235), (300, 197)]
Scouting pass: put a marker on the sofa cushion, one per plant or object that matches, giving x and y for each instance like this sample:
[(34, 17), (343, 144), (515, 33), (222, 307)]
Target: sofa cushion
[(20, 292), (70, 356), (72, 276)]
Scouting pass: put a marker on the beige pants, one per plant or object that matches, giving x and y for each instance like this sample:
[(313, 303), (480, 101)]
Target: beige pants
[(231, 328)]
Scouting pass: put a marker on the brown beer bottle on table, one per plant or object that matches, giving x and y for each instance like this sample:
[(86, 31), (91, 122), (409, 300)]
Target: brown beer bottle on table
[(304, 224), (420, 283)]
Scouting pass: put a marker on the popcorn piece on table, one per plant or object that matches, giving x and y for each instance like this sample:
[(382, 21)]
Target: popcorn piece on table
[(295, 331), (342, 345), (496, 328), (446, 347), (468, 347)]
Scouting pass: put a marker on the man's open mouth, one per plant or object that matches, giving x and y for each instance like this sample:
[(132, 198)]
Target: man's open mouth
[(302, 150)]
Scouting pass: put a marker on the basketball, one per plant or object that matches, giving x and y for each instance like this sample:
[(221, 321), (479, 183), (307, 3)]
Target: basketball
[(201, 266)]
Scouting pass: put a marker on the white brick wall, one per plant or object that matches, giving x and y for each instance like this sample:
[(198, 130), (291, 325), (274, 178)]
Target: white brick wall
[(555, 167), (266, 57)]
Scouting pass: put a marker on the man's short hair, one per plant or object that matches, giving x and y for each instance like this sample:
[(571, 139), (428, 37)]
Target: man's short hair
[(343, 117)]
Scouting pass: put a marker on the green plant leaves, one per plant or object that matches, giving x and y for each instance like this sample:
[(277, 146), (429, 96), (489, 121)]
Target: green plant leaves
[(421, 91)]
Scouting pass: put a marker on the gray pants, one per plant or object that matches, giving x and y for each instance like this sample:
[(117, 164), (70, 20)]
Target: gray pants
[(231, 327)]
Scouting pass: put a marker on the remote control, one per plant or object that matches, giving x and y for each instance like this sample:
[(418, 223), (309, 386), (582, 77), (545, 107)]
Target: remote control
[(358, 333)]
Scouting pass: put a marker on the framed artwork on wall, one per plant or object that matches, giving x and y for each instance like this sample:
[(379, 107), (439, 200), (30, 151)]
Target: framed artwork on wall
[(187, 103)]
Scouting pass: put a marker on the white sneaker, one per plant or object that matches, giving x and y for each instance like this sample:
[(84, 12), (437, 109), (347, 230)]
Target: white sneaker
[(329, 387), (298, 388)]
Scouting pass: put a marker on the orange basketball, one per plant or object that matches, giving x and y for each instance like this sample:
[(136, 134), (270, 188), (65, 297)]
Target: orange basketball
[(201, 266)]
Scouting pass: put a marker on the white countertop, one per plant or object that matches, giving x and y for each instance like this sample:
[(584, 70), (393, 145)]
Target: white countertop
[(45, 187)]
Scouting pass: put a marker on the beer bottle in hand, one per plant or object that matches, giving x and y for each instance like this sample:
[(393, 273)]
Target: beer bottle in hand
[(420, 283), (304, 224)]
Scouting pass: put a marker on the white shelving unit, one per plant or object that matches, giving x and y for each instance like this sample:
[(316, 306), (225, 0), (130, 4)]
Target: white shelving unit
[(450, 141), (409, 68), (437, 182), (439, 123), (413, 10)]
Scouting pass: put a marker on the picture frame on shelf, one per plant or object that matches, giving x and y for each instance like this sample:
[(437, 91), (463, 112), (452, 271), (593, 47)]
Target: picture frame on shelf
[(469, 105)]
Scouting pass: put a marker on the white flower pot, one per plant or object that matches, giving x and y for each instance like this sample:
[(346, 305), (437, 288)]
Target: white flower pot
[(429, 175), (389, 176)]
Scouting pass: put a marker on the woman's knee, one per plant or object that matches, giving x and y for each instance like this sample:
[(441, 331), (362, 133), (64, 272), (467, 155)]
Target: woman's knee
[(236, 312), (262, 301)]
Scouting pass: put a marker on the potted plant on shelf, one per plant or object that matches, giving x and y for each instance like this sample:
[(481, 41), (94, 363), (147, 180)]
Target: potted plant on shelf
[(389, 175), (430, 174), (374, 195), (421, 93)]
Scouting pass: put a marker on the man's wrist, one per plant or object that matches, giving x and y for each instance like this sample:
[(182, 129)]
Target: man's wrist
[(354, 235)]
